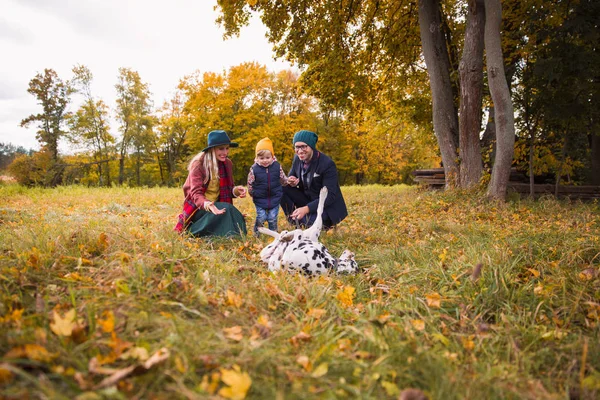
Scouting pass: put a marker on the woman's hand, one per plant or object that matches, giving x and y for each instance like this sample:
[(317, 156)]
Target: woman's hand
[(240, 191), (292, 181), (213, 209), (210, 207), (299, 213)]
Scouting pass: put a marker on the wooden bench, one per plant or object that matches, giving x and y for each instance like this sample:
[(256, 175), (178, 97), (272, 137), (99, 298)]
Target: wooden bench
[(434, 178)]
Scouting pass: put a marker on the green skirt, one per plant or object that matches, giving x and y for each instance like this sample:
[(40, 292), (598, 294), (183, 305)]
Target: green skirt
[(230, 223)]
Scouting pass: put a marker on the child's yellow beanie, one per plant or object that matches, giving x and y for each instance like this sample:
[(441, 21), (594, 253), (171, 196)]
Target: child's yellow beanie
[(265, 144)]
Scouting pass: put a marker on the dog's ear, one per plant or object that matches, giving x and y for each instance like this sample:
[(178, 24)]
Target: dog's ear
[(286, 236)]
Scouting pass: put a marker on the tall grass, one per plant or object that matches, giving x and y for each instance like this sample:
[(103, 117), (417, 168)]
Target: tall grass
[(414, 317)]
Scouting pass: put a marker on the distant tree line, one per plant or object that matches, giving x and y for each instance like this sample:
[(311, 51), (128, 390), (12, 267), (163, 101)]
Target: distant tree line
[(152, 146), (8, 152)]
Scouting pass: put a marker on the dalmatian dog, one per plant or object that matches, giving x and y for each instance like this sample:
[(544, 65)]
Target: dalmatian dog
[(300, 250)]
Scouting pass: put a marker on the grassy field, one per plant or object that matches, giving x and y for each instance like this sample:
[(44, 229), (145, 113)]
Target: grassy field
[(457, 297)]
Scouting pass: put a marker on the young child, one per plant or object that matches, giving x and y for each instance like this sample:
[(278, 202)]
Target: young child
[(265, 181)]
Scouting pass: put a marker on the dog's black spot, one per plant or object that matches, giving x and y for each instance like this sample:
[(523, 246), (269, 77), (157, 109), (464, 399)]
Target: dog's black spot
[(305, 251)]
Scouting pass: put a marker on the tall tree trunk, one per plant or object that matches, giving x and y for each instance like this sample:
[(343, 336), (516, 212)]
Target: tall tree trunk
[(531, 159), (445, 119), (121, 169), (505, 119), (108, 183), (138, 163), (471, 94), (595, 178)]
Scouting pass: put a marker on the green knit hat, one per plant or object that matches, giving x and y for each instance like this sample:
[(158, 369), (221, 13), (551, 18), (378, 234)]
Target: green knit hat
[(308, 137)]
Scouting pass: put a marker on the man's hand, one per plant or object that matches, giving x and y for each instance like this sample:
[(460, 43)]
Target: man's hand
[(299, 213)]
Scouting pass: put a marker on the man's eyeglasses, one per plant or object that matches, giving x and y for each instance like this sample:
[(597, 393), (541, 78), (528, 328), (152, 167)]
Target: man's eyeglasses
[(301, 147)]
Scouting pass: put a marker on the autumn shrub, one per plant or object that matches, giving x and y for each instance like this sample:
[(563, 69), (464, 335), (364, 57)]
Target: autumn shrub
[(457, 297)]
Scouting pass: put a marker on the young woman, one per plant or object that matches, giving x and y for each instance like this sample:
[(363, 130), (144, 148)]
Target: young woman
[(209, 191)]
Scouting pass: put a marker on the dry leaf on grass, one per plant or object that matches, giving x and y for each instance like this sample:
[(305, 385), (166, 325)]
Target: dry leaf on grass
[(65, 326), (5, 374), (33, 352), (299, 338), (107, 323), (321, 370), (238, 383), (157, 358), (234, 299), (418, 324), (434, 300), (305, 362), (345, 296), (234, 333)]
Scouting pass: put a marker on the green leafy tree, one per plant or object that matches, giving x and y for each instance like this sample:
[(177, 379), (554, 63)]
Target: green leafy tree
[(134, 107), (557, 89), (173, 127), (53, 96), (89, 125)]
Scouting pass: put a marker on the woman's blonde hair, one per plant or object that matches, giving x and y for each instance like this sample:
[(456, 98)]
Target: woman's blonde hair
[(207, 160)]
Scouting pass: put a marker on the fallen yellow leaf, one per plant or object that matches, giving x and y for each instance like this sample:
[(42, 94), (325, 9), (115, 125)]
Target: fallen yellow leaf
[(108, 323), (320, 371), (434, 300), (301, 337), (210, 387), (64, 326), (234, 299), (238, 383), (468, 344), (418, 324), (234, 333), (534, 272), (136, 353), (30, 351), (5, 375), (390, 388), (316, 313), (305, 362), (345, 296)]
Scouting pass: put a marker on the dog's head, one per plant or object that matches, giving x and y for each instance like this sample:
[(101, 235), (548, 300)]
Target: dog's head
[(346, 263), (269, 249), (273, 252)]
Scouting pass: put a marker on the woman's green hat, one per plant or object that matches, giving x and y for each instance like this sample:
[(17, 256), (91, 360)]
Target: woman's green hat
[(308, 137), (219, 138)]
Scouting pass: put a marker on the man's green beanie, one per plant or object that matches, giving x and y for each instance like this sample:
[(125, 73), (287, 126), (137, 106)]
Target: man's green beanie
[(308, 137)]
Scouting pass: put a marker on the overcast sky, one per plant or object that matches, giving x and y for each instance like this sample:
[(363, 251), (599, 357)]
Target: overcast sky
[(162, 40)]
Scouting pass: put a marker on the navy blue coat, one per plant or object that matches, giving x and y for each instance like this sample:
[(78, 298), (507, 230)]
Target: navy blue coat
[(322, 172), (266, 189)]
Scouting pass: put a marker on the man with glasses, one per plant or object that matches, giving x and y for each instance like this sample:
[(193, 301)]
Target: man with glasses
[(311, 171)]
